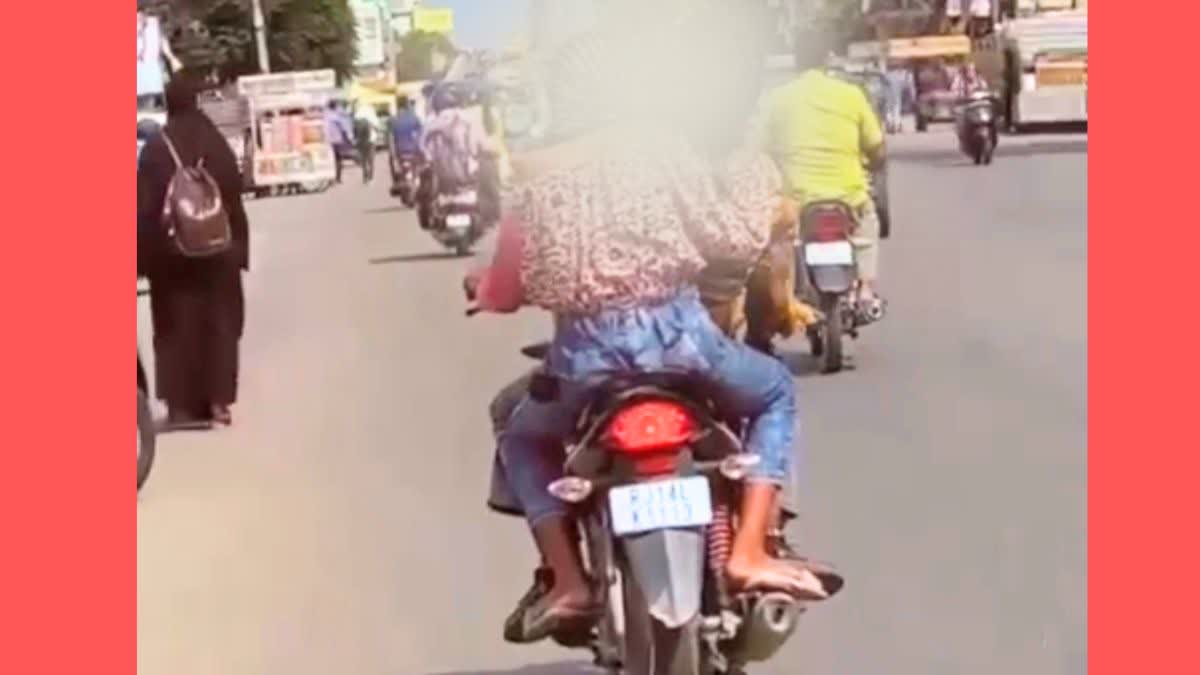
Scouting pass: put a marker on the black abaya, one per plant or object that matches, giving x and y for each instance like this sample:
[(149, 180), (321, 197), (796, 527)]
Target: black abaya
[(197, 306)]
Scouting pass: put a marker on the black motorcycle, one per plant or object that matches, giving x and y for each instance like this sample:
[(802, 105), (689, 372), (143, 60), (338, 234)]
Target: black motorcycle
[(406, 172), (145, 428), (978, 127), (653, 477), (827, 273)]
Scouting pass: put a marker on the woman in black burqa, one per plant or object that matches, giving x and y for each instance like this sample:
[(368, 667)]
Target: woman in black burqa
[(196, 305)]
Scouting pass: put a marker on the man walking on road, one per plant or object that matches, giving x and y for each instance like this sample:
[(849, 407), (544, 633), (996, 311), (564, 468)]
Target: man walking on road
[(364, 140), (341, 136)]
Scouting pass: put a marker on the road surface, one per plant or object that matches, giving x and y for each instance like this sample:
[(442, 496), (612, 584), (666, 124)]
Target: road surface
[(339, 527)]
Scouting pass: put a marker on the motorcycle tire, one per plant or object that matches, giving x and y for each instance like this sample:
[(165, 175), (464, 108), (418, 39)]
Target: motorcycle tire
[(653, 649), (816, 343), (146, 439), (833, 332)]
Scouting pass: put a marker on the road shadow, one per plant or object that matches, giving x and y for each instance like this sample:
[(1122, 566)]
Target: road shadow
[(413, 257), (563, 668), (951, 156), (800, 364), (400, 208)]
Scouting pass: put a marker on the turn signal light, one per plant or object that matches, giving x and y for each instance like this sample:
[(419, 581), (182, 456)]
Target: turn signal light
[(571, 489), (737, 467)]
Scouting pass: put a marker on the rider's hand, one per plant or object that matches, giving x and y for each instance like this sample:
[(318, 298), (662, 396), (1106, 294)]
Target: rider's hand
[(471, 286)]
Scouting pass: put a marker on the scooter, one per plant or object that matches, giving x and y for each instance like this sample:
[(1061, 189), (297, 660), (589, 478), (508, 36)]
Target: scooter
[(827, 278), (454, 219), (978, 127)]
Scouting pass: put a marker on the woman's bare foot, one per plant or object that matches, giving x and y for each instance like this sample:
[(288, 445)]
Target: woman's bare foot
[(770, 574)]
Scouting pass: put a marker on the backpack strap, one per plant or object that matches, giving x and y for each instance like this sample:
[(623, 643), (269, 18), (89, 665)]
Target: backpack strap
[(171, 149), (175, 153)]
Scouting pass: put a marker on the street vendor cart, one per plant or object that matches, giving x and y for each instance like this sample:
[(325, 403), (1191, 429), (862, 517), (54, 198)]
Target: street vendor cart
[(290, 148)]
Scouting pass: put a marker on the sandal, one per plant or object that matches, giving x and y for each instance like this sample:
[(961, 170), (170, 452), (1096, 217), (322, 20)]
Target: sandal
[(543, 580), (539, 622)]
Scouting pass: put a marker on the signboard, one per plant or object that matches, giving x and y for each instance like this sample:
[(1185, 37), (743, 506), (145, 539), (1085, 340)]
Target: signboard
[(433, 20), (283, 84), (369, 27)]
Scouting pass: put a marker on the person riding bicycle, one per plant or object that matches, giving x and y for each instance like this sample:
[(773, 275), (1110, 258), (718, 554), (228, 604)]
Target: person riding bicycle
[(824, 134)]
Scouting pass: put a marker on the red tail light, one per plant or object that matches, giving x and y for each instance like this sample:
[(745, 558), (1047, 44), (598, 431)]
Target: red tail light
[(650, 426), (828, 225)]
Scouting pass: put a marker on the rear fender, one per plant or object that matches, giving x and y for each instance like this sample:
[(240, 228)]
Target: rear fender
[(668, 568), (832, 278)]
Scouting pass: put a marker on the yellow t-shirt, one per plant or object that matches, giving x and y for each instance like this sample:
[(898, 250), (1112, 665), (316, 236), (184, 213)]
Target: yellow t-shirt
[(817, 128)]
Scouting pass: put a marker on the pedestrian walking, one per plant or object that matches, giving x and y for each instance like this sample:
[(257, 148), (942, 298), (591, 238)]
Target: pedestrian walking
[(340, 136), (196, 304), (364, 140)]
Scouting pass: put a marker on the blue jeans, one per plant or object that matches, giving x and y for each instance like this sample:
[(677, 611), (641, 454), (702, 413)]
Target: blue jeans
[(675, 335)]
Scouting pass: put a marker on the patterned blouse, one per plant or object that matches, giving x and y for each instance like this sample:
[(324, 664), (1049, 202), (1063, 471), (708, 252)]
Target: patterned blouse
[(633, 227)]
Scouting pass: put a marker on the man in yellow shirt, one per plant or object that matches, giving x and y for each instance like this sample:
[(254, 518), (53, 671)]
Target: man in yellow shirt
[(824, 134)]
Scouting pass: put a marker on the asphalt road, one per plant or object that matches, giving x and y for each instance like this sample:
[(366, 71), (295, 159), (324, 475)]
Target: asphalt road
[(339, 527)]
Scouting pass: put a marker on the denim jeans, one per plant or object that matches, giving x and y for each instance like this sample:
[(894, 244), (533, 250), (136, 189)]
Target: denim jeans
[(676, 335)]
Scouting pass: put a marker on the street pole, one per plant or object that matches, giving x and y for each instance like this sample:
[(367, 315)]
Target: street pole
[(260, 37)]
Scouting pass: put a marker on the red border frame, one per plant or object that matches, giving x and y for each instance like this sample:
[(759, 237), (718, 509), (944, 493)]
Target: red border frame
[(69, 577), (1142, 365), (69, 584)]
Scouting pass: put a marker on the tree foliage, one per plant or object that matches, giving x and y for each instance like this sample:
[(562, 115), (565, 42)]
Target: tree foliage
[(215, 38), (416, 57)]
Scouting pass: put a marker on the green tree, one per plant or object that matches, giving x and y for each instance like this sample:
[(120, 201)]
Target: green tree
[(415, 58), (215, 38)]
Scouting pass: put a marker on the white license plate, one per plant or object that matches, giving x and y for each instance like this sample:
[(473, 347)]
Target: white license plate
[(829, 253), (662, 504), (457, 220)]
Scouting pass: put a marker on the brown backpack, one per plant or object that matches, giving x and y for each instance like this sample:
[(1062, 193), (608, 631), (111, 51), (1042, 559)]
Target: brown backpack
[(193, 211)]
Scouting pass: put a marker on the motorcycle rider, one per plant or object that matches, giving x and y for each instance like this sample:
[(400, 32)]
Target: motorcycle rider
[(456, 144), (404, 136), (824, 134), (609, 235)]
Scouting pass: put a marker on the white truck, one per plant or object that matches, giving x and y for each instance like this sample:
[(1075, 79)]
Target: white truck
[(1046, 67)]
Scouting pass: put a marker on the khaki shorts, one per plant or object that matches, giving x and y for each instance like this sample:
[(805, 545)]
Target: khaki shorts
[(866, 242)]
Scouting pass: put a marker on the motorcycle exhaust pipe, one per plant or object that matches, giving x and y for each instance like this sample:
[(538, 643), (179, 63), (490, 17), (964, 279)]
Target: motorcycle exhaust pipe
[(769, 620), (874, 312)]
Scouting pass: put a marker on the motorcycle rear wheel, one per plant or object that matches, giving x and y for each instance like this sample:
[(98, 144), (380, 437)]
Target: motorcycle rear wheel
[(833, 334)]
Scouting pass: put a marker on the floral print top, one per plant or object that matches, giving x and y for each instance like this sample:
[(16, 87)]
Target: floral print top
[(632, 227)]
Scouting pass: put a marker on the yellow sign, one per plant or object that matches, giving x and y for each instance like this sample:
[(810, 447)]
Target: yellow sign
[(433, 20)]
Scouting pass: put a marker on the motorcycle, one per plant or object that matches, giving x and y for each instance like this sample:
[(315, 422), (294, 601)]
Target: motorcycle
[(830, 276), (406, 170), (146, 440), (978, 127), (653, 477)]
